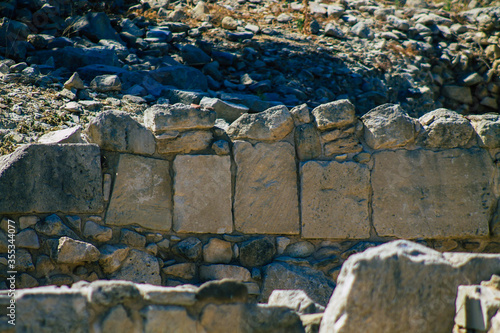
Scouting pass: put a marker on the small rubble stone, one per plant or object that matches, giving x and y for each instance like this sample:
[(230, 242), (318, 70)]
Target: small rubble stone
[(336, 114), (184, 271), (70, 251), (189, 248), (112, 257), (219, 272), (132, 238), (96, 232), (106, 83), (217, 251), (74, 82), (28, 239), (139, 267), (257, 252), (446, 129)]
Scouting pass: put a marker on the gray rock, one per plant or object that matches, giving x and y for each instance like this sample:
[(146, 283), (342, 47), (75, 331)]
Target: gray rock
[(132, 238), (118, 131), (117, 319), (52, 225), (64, 178), (142, 194), (458, 93), (139, 267), (74, 82), (362, 30), (301, 249), (187, 97), (225, 110), (296, 300), (217, 251), (334, 31), (257, 252), (336, 114), (194, 56), (398, 280), (70, 251), (95, 26), (106, 83), (75, 58), (12, 30), (182, 77), (307, 142), (162, 118), (112, 257), (109, 293), (183, 142), (68, 135), (24, 261), (219, 272), (27, 239), (184, 271), (301, 114), (388, 126), (159, 318), (129, 27), (488, 130), (446, 129), (285, 276), (189, 248)]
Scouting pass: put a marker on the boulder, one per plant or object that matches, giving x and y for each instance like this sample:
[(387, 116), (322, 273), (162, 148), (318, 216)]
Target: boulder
[(62, 177), (182, 77), (335, 114), (402, 287), (74, 58), (95, 26), (118, 131), (487, 127), (139, 267), (161, 118), (458, 93), (388, 126), (429, 194), (274, 124), (265, 200), (142, 194), (225, 110), (194, 56), (445, 129), (68, 135)]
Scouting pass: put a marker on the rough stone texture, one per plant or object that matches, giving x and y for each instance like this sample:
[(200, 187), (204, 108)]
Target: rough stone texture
[(182, 77), (70, 251), (335, 200), (202, 194), (64, 178), (118, 131), (112, 257), (68, 135), (223, 291), (271, 125), (388, 126), (183, 143), (106, 83), (445, 129), (189, 248), (117, 320), (51, 309), (139, 267), (488, 130), (225, 110), (301, 249), (96, 232), (301, 114), (181, 295), (335, 114), (141, 194), (184, 271), (217, 251), (109, 293), (132, 238), (402, 280), (296, 300), (266, 200), (52, 225), (475, 307), (307, 142), (257, 252), (285, 276), (165, 117), (162, 318), (429, 194), (27, 239), (219, 272), (239, 318), (458, 93)]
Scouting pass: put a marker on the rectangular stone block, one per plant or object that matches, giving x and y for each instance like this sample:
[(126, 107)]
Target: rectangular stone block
[(334, 200), (432, 194), (141, 194), (202, 194), (266, 198), (47, 178)]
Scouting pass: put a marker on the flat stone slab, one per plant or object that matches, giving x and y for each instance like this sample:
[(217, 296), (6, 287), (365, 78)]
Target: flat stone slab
[(142, 194), (40, 178), (335, 200), (266, 199), (429, 194), (202, 194)]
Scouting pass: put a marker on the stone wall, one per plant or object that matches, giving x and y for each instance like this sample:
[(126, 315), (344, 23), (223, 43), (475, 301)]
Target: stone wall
[(278, 199)]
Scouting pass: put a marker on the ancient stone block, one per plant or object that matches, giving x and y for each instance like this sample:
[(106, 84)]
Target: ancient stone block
[(335, 114), (183, 143), (266, 189), (430, 194), (307, 142), (335, 200), (162, 117), (141, 194), (163, 318), (445, 129), (202, 194), (220, 271), (49, 178), (139, 267)]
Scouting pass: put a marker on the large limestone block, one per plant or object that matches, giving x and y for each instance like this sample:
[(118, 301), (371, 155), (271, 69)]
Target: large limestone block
[(202, 194), (183, 142), (42, 178), (335, 114), (165, 117), (430, 194), (335, 199), (266, 199), (139, 267), (402, 287), (51, 309), (141, 194)]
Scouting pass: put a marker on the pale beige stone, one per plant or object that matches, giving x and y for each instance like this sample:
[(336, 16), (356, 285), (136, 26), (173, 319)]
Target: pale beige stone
[(112, 257), (117, 320), (141, 194), (266, 199), (475, 307), (72, 251), (184, 295), (334, 200), (202, 198), (335, 114), (185, 270), (217, 251), (184, 142), (167, 318), (219, 272), (432, 194)]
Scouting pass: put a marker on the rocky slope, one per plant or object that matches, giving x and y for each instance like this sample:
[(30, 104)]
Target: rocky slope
[(255, 53)]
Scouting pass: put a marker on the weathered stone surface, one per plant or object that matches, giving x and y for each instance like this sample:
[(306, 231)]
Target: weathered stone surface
[(487, 127), (142, 194), (139, 267), (112, 257), (217, 251), (342, 146), (106, 83), (271, 125), (182, 77), (70, 251), (183, 143), (402, 280), (239, 318), (161, 118), (118, 131), (96, 232), (189, 248), (52, 225), (181, 295), (132, 238), (475, 307), (24, 261), (109, 293), (335, 200), (202, 194), (301, 249), (285, 276), (219, 272), (335, 114), (163, 318), (68, 135), (307, 142), (117, 319), (257, 252), (458, 93), (432, 194), (296, 300), (225, 110), (388, 126), (223, 291), (52, 309), (64, 178), (301, 114), (445, 129), (266, 189), (184, 271), (27, 239)]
